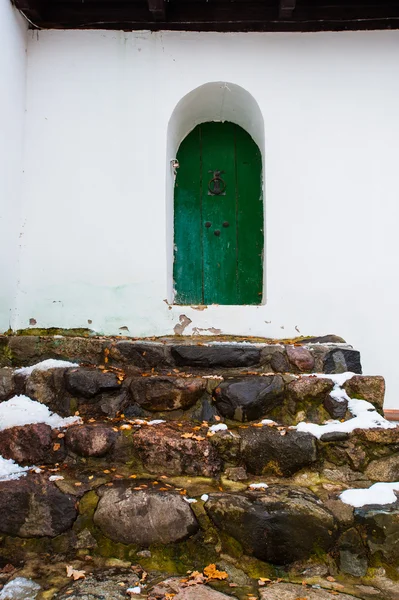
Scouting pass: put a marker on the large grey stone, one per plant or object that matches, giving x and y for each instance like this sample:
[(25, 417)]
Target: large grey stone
[(221, 355), (177, 588), (20, 588), (167, 393), (88, 382), (101, 585), (48, 387), (341, 360), (143, 517), (381, 524), (293, 591), (264, 450), (249, 398), (280, 525), (34, 507), (145, 355)]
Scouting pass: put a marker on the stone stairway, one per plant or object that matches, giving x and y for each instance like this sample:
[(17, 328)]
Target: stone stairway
[(185, 453)]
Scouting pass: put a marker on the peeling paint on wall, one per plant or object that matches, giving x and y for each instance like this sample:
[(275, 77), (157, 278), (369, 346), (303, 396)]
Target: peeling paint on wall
[(180, 327)]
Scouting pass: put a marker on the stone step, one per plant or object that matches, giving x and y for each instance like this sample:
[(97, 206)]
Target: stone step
[(329, 354), (284, 525), (106, 392), (185, 449)]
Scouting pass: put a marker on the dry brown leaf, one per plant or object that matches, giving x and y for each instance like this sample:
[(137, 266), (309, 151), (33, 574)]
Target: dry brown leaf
[(198, 438), (74, 573), (212, 573), (329, 578), (56, 447), (187, 435)]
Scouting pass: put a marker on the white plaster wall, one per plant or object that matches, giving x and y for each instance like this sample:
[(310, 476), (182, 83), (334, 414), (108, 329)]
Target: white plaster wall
[(12, 112), (96, 241)]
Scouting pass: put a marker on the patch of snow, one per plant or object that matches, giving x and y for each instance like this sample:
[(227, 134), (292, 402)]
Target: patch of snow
[(190, 500), (268, 422), (133, 590), (21, 410), (10, 470), (258, 486), (20, 588), (364, 414), (218, 427), (156, 422), (338, 379), (339, 394), (204, 497), (379, 493), (55, 477), (45, 365), (364, 417)]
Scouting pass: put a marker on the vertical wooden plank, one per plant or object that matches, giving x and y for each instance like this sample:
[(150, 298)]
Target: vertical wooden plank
[(187, 266), (250, 227), (219, 251)]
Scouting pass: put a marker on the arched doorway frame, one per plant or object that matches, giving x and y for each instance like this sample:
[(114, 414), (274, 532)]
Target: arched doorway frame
[(213, 101)]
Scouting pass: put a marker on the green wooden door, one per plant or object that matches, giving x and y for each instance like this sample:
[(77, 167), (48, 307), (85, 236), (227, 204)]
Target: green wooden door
[(218, 217)]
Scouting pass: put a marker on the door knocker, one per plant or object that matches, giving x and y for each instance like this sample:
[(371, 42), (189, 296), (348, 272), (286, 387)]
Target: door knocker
[(216, 186)]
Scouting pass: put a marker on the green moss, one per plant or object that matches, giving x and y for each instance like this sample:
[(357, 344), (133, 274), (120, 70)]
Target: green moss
[(88, 503), (5, 353), (73, 332)]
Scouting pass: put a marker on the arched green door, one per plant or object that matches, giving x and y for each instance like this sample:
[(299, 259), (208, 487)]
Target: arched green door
[(218, 217)]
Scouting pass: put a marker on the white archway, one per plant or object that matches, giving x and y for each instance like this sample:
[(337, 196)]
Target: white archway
[(214, 101)]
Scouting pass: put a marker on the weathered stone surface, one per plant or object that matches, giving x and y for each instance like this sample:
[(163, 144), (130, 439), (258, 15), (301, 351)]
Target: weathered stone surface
[(334, 436), (48, 387), (7, 384), (90, 440), (236, 474), (207, 411), (382, 528), (34, 507), (264, 450), (341, 360), (167, 393), (101, 585), (383, 437), (367, 387), (309, 388), (24, 349), (162, 449), (20, 588), (384, 469), (249, 398), (143, 517), (200, 593), (335, 408), (301, 358), (176, 588), (31, 444), (352, 553), (88, 382), (293, 591), (279, 525), (275, 357), (344, 513), (221, 355), (145, 355)]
